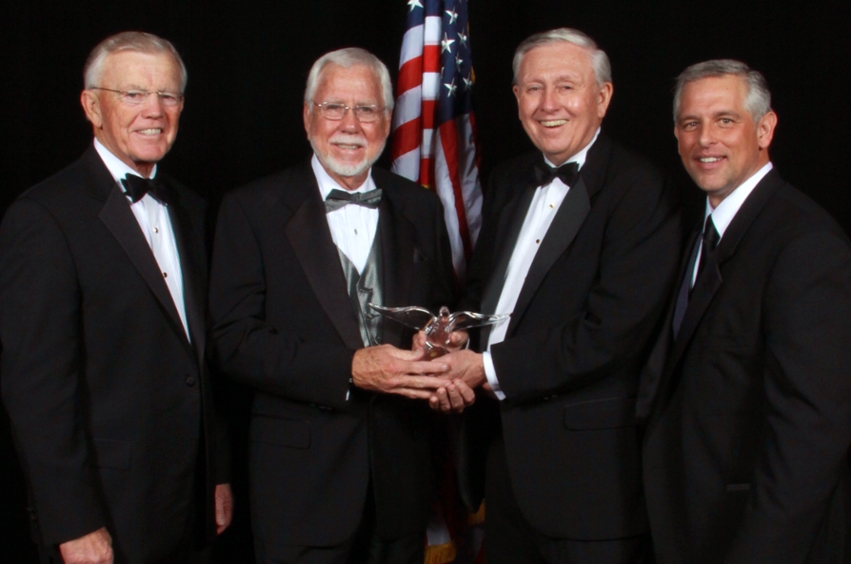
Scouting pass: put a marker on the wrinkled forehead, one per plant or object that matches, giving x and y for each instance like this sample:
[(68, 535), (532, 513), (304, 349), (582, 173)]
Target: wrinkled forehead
[(556, 58), (142, 69), (358, 84)]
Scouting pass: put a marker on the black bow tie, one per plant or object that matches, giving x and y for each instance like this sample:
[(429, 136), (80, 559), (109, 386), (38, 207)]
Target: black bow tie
[(337, 199), (567, 173), (136, 187)]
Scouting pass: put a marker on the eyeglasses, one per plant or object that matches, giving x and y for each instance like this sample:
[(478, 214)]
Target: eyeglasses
[(336, 112), (138, 97)]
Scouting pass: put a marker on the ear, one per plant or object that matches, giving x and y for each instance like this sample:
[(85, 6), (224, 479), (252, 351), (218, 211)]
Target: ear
[(604, 96), (385, 125), (306, 117), (765, 129), (91, 105), (516, 90)]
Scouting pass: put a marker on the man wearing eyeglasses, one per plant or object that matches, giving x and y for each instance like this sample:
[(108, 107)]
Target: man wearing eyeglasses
[(339, 443), (102, 289)]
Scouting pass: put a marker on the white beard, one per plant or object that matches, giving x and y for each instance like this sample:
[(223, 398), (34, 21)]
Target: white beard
[(346, 169)]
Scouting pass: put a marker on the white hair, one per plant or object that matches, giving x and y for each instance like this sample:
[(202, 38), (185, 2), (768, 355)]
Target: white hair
[(348, 58), (757, 99), (599, 60), (137, 41)]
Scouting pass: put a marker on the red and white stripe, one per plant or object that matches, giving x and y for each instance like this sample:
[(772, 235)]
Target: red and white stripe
[(442, 157)]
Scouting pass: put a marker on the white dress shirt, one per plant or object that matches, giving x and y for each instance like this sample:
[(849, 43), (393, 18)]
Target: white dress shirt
[(155, 224), (723, 215), (352, 227), (543, 209)]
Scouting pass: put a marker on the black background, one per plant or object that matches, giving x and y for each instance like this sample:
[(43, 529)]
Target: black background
[(248, 62)]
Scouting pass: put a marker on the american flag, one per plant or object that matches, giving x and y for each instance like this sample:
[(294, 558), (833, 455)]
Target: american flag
[(434, 128)]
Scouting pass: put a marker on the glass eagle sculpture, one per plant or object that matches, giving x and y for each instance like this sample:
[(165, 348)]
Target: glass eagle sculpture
[(437, 328)]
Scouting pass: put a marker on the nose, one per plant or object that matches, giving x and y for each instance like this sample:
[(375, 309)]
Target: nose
[(549, 102), (705, 135), (152, 106), (349, 121)]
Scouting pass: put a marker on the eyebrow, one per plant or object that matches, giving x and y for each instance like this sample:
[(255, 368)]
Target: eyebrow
[(715, 115), (575, 77)]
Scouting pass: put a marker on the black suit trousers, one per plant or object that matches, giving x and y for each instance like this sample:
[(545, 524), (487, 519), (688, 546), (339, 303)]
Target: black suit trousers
[(509, 539)]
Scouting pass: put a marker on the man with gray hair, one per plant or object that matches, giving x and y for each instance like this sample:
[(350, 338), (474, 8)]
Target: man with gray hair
[(579, 245), (340, 461), (102, 301), (747, 396)]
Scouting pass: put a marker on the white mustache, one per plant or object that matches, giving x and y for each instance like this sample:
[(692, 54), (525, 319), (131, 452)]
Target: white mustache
[(348, 139)]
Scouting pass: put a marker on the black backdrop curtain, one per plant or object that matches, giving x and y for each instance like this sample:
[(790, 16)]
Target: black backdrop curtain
[(248, 61)]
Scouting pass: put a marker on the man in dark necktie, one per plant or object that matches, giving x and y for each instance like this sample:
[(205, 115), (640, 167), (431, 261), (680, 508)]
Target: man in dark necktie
[(102, 300), (747, 396), (581, 257), (340, 460)]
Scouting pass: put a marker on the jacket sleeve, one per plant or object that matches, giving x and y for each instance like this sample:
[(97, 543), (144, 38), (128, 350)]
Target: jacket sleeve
[(40, 330), (635, 271), (807, 412), (248, 348)]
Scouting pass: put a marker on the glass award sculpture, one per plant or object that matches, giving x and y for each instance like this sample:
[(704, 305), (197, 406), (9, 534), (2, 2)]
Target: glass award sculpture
[(438, 327)]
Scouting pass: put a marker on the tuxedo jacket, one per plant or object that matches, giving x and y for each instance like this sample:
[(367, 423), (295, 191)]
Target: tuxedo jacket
[(285, 325), (749, 409), (577, 338), (109, 401)]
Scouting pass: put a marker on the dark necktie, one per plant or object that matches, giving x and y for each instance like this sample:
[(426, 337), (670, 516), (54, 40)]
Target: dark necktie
[(338, 198), (136, 187), (567, 173), (710, 241)]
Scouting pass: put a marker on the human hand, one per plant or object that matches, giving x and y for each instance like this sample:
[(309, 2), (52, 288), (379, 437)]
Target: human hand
[(457, 340), (388, 370), (452, 398), (224, 507), (465, 365), (93, 548)]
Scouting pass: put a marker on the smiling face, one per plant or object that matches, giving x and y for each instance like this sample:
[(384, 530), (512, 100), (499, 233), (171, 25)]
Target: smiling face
[(347, 148), (720, 144), (559, 101), (138, 135)]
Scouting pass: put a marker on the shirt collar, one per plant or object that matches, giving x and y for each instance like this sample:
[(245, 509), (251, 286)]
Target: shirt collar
[(326, 183), (578, 158), (723, 215), (117, 168)]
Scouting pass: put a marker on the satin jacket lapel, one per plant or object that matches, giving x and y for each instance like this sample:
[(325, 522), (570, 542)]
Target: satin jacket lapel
[(119, 219), (569, 218), (308, 233), (708, 283), (398, 253), (510, 224), (193, 281), (571, 214), (656, 372)]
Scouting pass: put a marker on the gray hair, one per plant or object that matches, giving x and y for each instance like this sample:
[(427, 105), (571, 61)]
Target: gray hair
[(599, 60), (758, 98), (348, 58), (137, 41)]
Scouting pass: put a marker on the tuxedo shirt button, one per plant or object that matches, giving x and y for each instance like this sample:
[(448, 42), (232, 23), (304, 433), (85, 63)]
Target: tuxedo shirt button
[(190, 381)]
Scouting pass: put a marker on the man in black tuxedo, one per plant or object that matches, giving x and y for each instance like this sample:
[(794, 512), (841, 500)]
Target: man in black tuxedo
[(102, 281), (581, 261), (340, 464), (747, 394)]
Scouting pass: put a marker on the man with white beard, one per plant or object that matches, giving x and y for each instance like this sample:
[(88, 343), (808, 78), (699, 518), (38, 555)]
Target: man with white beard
[(340, 460)]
